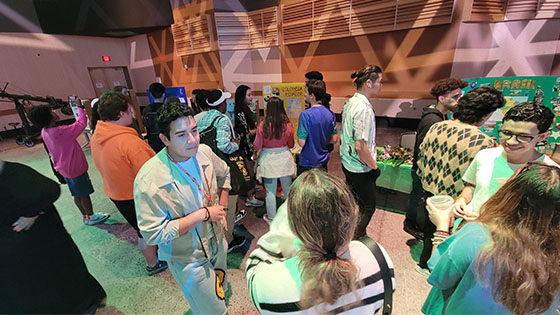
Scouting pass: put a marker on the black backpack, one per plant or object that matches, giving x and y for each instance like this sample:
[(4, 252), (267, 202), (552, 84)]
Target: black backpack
[(240, 178), (150, 122)]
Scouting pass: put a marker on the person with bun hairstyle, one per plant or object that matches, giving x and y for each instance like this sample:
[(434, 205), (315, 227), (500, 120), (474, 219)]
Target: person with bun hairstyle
[(357, 145), (506, 261), (308, 262)]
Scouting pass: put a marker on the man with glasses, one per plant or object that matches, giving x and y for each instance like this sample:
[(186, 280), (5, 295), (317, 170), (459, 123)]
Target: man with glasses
[(524, 126)]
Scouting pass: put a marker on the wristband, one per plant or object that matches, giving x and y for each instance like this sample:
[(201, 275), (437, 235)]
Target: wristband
[(207, 214)]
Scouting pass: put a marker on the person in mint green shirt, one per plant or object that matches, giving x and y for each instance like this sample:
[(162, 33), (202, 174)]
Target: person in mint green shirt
[(506, 262)]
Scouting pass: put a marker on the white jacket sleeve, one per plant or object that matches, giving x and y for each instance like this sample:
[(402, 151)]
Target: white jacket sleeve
[(153, 220), (275, 245)]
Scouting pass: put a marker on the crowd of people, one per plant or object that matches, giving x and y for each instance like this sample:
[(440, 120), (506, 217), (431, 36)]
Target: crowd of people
[(494, 250)]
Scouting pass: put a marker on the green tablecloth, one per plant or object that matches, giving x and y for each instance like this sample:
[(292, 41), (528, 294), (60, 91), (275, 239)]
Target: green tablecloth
[(395, 178)]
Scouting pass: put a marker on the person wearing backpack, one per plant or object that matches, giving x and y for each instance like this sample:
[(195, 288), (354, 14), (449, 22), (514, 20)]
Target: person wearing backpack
[(224, 143), (149, 116)]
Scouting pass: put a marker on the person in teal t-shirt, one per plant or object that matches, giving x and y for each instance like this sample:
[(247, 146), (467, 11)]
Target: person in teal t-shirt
[(506, 262)]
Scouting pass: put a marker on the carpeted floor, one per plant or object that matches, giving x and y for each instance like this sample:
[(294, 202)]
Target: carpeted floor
[(112, 257)]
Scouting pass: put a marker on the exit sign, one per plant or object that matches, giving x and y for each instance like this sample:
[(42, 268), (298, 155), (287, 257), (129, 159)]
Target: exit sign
[(106, 58)]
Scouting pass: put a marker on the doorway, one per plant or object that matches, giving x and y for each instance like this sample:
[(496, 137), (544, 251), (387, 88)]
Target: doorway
[(106, 78)]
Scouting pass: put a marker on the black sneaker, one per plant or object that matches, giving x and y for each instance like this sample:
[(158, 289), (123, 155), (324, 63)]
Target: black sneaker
[(240, 215), (237, 242), (159, 267), (413, 230)]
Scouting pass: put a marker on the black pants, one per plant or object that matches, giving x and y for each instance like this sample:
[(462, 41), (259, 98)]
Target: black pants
[(301, 169), (364, 189), (126, 208), (414, 211), (429, 229)]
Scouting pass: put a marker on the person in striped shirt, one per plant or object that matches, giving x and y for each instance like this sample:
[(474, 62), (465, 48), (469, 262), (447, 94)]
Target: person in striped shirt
[(308, 263)]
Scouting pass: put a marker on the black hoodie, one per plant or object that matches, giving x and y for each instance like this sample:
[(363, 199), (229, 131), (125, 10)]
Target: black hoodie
[(430, 116)]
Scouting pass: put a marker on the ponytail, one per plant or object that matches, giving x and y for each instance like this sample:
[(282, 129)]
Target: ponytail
[(322, 213), (325, 279)]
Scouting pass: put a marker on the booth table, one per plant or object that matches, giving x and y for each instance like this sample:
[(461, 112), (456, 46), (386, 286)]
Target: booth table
[(395, 178)]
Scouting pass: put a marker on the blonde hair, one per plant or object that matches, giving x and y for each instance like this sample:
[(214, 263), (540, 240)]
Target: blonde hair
[(323, 215), (524, 252)]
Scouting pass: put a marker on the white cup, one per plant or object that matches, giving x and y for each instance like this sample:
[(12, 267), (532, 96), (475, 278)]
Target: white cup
[(440, 202)]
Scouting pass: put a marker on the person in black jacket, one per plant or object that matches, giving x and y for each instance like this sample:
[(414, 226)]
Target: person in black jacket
[(149, 115), (447, 93), (42, 271)]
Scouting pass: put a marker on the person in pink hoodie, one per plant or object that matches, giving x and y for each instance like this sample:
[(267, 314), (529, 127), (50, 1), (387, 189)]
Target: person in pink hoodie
[(68, 158)]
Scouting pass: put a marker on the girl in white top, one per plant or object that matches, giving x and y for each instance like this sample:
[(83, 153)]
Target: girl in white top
[(273, 140)]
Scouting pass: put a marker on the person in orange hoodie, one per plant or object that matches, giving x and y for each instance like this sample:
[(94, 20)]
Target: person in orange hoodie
[(119, 153)]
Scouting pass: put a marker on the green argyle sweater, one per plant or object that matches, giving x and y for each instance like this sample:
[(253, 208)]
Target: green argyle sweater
[(445, 154)]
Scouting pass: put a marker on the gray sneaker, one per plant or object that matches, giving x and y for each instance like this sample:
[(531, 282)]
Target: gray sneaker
[(95, 218)]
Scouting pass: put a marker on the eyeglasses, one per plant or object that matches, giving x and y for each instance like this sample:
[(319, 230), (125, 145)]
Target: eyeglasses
[(506, 135)]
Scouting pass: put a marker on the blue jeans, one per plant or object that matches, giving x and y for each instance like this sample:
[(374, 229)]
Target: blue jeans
[(270, 184)]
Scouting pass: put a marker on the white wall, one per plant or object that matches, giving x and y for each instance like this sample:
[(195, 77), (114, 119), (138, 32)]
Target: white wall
[(56, 65)]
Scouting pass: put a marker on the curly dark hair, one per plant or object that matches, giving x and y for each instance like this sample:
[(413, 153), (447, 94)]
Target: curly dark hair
[(445, 85), (40, 116), (477, 103), (531, 112), (168, 113), (367, 72), (110, 106)]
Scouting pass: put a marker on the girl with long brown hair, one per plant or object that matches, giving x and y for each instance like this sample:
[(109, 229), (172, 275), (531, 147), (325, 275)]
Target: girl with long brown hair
[(327, 272), (274, 138), (508, 260)]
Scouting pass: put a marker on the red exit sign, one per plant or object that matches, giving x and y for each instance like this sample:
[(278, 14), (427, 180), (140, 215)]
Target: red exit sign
[(106, 58)]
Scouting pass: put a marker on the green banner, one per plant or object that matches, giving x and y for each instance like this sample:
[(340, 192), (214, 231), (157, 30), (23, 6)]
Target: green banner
[(544, 90)]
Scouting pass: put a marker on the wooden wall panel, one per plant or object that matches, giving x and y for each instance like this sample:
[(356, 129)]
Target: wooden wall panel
[(412, 60)]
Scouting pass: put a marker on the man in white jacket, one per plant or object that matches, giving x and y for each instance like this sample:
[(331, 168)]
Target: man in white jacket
[(180, 195)]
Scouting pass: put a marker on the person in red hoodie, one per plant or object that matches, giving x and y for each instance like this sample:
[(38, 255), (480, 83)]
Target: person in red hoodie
[(119, 153)]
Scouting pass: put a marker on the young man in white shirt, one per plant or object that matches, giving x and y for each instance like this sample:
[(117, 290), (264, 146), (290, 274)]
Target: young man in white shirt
[(357, 147), (180, 195), (524, 126)]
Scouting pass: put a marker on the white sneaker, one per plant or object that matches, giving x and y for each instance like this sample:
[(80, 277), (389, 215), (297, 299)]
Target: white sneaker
[(267, 219), (254, 202), (95, 218)]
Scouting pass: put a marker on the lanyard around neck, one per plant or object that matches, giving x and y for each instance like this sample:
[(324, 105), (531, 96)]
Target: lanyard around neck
[(207, 195)]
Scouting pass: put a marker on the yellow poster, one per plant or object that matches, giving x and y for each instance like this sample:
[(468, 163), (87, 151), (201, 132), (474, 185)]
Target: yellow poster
[(293, 95)]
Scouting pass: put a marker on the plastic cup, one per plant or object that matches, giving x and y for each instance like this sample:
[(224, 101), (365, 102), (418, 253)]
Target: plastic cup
[(441, 202)]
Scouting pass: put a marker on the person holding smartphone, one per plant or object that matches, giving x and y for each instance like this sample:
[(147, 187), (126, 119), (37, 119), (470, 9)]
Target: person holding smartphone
[(67, 156)]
